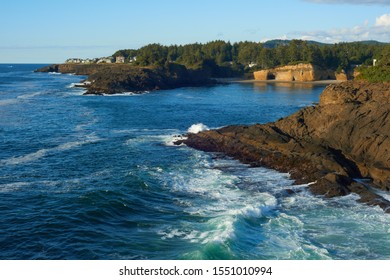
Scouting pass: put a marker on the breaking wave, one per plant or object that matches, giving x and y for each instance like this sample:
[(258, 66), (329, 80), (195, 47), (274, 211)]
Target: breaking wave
[(196, 128), (47, 151)]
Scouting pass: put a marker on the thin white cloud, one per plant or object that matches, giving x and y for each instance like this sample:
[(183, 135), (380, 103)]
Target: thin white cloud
[(352, 2), (380, 32), (383, 20)]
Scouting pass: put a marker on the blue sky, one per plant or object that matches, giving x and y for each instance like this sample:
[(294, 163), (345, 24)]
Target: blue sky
[(50, 31)]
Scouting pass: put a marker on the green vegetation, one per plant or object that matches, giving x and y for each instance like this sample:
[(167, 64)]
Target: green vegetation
[(375, 74), (224, 59), (380, 72)]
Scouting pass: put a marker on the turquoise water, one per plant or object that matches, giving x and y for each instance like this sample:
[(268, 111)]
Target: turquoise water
[(97, 177)]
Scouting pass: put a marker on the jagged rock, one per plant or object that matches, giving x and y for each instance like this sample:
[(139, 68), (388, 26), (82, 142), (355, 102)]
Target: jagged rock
[(346, 136)]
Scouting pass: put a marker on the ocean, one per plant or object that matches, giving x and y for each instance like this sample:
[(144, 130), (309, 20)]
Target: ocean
[(98, 177)]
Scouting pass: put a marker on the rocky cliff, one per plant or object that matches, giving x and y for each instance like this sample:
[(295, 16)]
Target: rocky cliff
[(72, 68), (303, 72), (346, 136), (118, 78)]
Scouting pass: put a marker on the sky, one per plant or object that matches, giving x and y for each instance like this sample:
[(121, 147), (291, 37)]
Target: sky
[(50, 31)]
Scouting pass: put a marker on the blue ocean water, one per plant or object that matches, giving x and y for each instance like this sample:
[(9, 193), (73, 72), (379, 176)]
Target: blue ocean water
[(97, 177)]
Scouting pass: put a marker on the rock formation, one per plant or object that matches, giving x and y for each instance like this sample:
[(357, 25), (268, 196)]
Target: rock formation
[(303, 72), (118, 78), (346, 136), (342, 76)]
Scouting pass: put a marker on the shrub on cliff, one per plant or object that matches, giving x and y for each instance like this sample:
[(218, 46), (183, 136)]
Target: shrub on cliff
[(374, 74)]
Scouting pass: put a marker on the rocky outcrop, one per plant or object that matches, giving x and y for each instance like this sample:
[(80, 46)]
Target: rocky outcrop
[(73, 68), (303, 72), (346, 136), (114, 78)]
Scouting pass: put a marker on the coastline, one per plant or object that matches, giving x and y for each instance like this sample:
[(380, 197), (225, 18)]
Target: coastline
[(322, 144), (121, 78), (319, 82)]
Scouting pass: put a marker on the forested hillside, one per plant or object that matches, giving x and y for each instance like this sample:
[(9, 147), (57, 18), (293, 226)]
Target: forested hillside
[(227, 59)]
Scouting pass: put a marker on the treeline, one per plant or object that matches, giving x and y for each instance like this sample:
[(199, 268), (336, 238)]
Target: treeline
[(247, 56)]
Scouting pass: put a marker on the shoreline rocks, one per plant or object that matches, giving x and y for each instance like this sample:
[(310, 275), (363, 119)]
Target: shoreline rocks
[(346, 136)]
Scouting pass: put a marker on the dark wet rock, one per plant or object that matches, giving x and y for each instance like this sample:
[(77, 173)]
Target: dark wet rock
[(346, 136), (332, 185), (119, 78)]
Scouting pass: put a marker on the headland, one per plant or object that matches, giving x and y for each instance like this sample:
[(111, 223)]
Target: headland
[(119, 78), (333, 145)]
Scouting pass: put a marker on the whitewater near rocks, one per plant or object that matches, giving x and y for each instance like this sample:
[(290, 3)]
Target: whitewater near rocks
[(94, 177), (345, 137)]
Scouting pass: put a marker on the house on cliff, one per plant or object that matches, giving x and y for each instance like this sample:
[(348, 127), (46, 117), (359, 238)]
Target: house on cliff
[(109, 59), (73, 60), (120, 59)]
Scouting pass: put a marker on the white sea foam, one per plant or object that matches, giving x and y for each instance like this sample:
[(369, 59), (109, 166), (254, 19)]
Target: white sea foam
[(125, 94), (213, 194), (73, 85), (30, 95), (5, 102), (171, 140), (384, 194), (44, 152), (151, 135), (82, 126), (11, 187), (196, 128), (54, 73), (234, 202)]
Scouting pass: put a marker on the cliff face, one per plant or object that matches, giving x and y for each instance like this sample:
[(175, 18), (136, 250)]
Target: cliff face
[(301, 72), (346, 136), (117, 78)]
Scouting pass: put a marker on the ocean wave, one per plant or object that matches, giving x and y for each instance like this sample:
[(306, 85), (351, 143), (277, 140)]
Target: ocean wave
[(198, 127), (121, 94), (169, 140), (82, 126), (30, 95), (5, 102), (44, 152), (208, 192), (11, 187), (172, 139), (10, 101), (129, 93)]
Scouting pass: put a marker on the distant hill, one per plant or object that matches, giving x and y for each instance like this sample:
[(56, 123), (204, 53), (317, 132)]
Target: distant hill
[(372, 42), (271, 44)]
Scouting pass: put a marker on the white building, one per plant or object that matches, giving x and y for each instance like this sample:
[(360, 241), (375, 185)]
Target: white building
[(252, 64), (73, 60), (120, 59), (105, 60)]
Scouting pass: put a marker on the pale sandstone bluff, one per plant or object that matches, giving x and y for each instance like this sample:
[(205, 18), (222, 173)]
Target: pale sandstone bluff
[(303, 72), (345, 137)]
